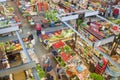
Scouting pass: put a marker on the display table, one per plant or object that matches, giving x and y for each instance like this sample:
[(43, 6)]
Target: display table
[(72, 63), (78, 68), (31, 54), (51, 37)]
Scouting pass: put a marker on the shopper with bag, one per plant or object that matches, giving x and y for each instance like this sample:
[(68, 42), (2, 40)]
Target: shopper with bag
[(46, 62), (31, 39), (115, 12), (60, 71)]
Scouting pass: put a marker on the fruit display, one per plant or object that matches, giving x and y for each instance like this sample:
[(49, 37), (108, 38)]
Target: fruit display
[(97, 5), (26, 8), (8, 17), (65, 57), (62, 35), (13, 45), (58, 44), (97, 30), (56, 36), (44, 36), (115, 30)]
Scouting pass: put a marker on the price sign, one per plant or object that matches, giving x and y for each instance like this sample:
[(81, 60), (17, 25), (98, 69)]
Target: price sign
[(2, 0), (55, 1)]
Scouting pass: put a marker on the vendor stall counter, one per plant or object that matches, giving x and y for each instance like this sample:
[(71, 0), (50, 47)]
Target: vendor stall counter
[(51, 37)]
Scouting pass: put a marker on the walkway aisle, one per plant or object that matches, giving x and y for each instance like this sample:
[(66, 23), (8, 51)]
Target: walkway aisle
[(39, 49), (26, 28)]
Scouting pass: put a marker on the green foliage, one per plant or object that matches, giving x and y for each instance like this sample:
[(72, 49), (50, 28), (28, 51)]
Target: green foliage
[(33, 79), (40, 71), (60, 61), (59, 50), (51, 15), (79, 22), (95, 76), (67, 49)]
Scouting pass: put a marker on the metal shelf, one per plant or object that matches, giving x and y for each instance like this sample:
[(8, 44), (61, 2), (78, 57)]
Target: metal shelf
[(81, 36), (97, 43), (75, 15), (22, 67), (107, 20), (104, 41), (107, 57), (9, 29), (112, 73)]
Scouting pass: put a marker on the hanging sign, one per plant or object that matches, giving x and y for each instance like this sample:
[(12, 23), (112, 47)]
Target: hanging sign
[(2, 0), (104, 41), (91, 13), (70, 17), (55, 1)]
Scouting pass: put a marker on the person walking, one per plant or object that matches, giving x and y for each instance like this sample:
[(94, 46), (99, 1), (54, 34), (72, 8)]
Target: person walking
[(109, 10), (60, 71), (46, 62), (30, 36), (38, 29), (115, 12), (31, 39)]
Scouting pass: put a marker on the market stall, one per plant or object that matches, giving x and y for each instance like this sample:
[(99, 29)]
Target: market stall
[(8, 18), (99, 5), (49, 38), (32, 9), (77, 67), (16, 56), (4, 64), (28, 9), (106, 28), (97, 29), (113, 18), (70, 60)]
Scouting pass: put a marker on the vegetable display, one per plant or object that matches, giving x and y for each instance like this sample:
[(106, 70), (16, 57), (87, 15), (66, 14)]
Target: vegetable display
[(95, 76), (51, 15), (40, 71), (116, 21), (58, 44), (65, 56), (61, 62), (13, 45), (57, 35)]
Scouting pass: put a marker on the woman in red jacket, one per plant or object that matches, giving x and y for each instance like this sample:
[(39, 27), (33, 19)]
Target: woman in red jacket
[(38, 29), (115, 12)]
